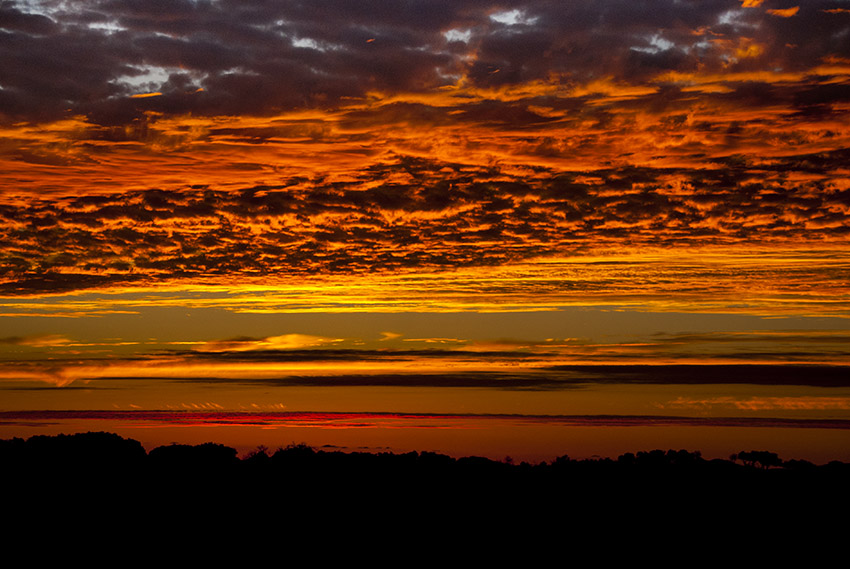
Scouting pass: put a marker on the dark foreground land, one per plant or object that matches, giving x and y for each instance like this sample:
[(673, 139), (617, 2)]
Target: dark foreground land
[(107, 476), (108, 461)]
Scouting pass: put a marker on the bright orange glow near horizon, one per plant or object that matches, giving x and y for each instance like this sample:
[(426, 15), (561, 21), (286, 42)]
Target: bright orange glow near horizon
[(525, 209)]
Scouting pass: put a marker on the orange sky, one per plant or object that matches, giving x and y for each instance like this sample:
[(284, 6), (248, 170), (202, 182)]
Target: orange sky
[(435, 192)]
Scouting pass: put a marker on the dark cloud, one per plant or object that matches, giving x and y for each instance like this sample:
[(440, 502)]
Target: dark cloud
[(524, 381), (264, 57), (545, 378), (577, 376), (719, 374), (355, 419)]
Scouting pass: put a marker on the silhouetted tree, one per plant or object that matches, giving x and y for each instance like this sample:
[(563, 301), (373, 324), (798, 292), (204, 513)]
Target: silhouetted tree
[(757, 458), (204, 456)]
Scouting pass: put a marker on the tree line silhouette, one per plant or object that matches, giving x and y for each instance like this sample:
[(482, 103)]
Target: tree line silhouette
[(101, 452), (107, 472)]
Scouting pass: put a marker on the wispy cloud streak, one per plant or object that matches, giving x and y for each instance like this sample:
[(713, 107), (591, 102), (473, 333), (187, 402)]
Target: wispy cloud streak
[(405, 420)]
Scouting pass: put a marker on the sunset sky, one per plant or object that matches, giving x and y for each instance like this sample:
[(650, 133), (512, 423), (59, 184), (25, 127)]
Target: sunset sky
[(500, 228)]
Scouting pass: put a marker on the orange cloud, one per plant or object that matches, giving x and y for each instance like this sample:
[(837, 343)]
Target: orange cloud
[(283, 342), (784, 13), (36, 340), (640, 146), (761, 280)]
